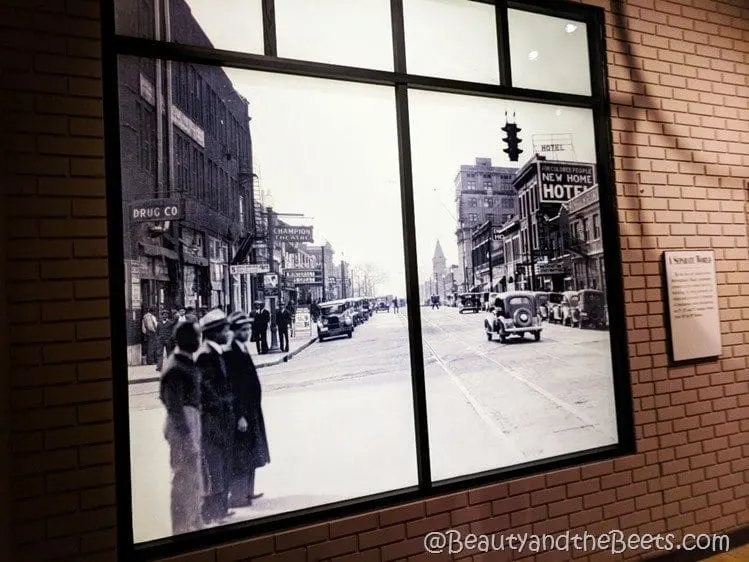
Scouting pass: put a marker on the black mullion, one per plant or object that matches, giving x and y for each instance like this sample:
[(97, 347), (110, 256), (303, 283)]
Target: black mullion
[(503, 43), (214, 57), (413, 309), (269, 28), (116, 268), (399, 36), (610, 238)]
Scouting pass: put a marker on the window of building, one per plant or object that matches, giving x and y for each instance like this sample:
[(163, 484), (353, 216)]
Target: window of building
[(585, 229), (384, 132)]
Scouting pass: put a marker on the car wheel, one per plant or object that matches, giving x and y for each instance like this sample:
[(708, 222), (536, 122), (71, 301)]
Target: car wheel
[(320, 339), (351, 335), (537, 336), (489, 336)]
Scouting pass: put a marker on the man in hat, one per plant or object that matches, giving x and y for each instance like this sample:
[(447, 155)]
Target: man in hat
[(180, 393), (283, 322), (250, 440), (217, 415), (261, 320)]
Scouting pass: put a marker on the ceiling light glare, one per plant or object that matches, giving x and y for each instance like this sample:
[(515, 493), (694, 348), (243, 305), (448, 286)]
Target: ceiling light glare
[(533, 55), (570, 28)]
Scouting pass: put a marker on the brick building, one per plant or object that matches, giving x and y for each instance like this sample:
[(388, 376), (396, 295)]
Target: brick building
[(678, 79), (482, 192), (201, 157)]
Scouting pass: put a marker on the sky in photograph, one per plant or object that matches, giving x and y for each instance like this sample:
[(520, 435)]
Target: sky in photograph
[(329, 149)]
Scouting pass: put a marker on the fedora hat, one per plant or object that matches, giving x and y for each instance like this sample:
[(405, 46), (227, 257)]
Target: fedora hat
[(215, 319)]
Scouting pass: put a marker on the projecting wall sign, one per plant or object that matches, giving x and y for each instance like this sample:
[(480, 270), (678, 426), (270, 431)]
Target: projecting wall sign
[(694, 317)]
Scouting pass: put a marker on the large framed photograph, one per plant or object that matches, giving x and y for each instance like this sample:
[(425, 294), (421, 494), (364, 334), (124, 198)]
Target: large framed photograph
[(356, 273)]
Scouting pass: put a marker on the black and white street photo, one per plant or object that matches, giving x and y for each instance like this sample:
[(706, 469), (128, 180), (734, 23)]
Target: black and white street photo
[(271, 294)]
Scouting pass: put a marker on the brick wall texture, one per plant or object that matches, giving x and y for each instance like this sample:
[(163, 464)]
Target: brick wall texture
[(678, 79)]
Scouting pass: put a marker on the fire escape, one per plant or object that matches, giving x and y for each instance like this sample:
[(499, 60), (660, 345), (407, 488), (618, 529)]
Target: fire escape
[(254, 242)]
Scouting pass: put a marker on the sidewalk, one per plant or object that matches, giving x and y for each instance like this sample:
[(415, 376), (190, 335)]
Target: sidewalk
[(148, 373)]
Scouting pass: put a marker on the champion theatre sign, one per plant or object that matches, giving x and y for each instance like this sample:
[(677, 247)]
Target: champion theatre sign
[(561, 181), (293, 234)]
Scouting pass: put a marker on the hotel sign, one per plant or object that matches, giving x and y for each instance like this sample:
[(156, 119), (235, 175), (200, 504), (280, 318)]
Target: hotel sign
[(561, 181)]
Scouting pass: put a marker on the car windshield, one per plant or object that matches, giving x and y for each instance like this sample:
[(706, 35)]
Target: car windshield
[(542, 299), (574, 300), (555, 298), (332, 309)]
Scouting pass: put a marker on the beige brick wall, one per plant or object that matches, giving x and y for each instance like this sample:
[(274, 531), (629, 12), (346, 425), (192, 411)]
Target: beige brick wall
[(681, 126)]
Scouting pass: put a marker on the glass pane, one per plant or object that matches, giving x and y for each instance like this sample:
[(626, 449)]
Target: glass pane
[(454, 39), (320, 269), (236, 26), (508, 396), (548, 53), (336, 32)]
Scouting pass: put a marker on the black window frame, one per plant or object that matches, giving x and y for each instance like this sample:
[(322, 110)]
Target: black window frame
[(114, 46)]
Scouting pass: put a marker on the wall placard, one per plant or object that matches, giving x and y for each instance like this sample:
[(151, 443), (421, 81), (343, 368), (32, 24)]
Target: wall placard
[(694, 316)]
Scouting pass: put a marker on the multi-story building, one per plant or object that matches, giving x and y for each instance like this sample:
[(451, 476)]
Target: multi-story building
[(322, 257), (585, 243), (482, 193), (544, 187), (185, 138)]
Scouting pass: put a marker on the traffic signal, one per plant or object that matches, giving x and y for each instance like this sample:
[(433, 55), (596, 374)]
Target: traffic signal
[(512, 141)]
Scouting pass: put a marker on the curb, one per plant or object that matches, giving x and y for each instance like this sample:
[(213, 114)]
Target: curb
[(283, 359)]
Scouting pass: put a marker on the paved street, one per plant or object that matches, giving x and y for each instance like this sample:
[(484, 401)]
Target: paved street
[(340, 417)]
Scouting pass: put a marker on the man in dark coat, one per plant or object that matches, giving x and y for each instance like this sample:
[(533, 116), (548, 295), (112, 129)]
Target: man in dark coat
[(250, 440), (283, 322), (217, 415), (164, 338), (180, 393), (261, 320)]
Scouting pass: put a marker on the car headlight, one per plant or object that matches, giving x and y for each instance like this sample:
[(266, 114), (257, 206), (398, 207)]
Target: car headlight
[(347, 321), (325, 322)]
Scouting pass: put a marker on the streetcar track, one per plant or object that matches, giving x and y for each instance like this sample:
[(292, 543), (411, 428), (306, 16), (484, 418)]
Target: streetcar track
[(511, 371)]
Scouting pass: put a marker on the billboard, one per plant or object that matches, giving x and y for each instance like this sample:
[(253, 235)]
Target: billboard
[(561, 181)]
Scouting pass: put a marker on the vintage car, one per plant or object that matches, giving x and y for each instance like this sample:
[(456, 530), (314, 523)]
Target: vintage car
[(542, 303), (591, 309), (513, 313), (469, 301), (489, 300), (336, 319), (570, 300), (554, 306), (366, 309)]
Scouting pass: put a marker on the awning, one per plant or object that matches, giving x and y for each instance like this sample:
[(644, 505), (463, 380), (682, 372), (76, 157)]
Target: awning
[(154, 250), (245, 245)]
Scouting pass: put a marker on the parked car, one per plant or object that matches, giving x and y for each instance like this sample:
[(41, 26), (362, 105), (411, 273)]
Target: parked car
[(513, 313), (554, 306), (469, 301), (336, 319), (570, 312), (542, 303), (591, 308), (489, 300)]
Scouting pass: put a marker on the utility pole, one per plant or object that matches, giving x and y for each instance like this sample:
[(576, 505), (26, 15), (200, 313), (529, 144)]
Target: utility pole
[(322, 261), (271, 249), (343, 281)]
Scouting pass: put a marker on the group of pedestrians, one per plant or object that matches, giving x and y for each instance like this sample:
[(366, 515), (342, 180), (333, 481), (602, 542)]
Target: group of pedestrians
[(214, 427), (158, 332)]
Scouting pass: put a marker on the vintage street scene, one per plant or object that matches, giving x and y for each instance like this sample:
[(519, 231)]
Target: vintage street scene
[(266, 308)]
